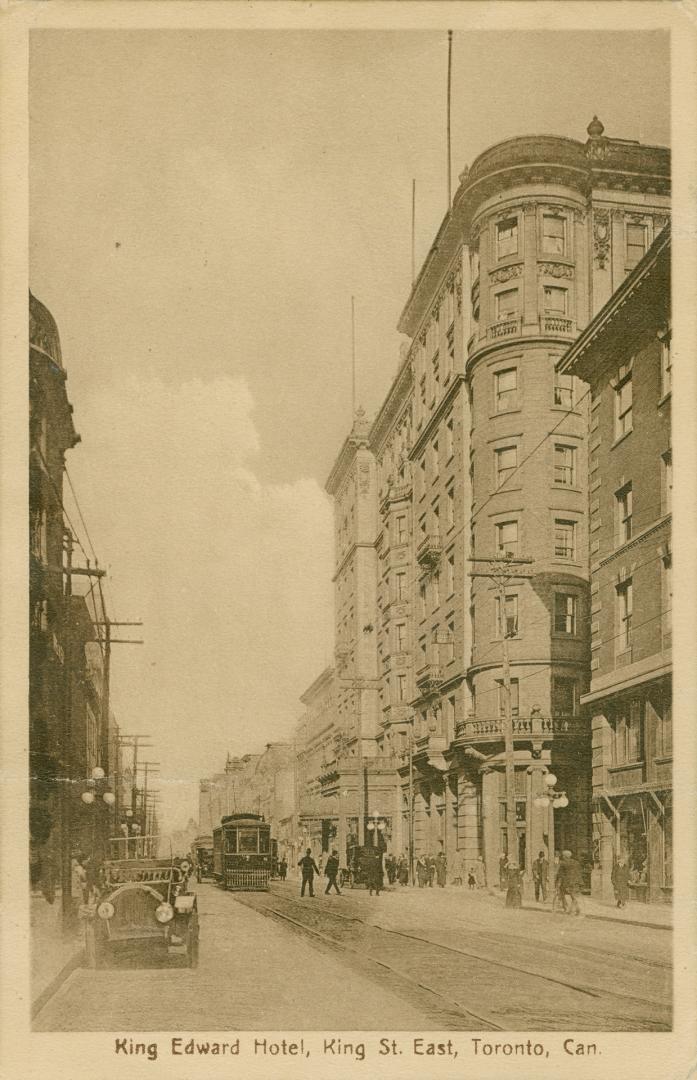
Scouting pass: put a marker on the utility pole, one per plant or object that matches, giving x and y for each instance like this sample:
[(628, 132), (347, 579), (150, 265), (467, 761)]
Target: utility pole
[(502, 571), (107, 624), (152, 767)]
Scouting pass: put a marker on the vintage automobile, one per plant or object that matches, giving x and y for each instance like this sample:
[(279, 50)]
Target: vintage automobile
[(144, 902), (202, 856)]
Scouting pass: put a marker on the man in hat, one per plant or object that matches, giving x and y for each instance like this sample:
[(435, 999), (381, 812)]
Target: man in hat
[(569, 878), (331, 870), (309, 868), (540, 872)]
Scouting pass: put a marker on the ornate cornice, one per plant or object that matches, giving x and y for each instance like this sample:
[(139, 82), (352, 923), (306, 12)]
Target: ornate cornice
[(555, 269), (505, 273)]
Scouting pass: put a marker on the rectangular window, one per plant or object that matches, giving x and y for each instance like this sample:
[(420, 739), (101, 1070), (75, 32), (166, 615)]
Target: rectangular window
[(450, 343), (506, 389), (565, 606), (623, 500), (422, 599), (449, 446), (473, 625), (666, 365), (667, 482), (564, 390), (450, 507), (450, 574), (506, 458), (623, 404), (436, 372), (507, 304), (515, 697), (402, 529), (625, 602), (565, 539), (553, 234), (435, 592), (401, 581), (564, 697), (422, 390), (664, 729), (401, 687), (636, 244), (247, 840), (401, 631), (507, 620), (507, 538), (555, 300), (507, 237), (435, 457), (564, 465), (629, 732), (422, 525)]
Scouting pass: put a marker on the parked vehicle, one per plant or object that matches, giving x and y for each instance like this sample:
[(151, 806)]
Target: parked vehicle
[(242, 853), (202, 856), (142, 901)]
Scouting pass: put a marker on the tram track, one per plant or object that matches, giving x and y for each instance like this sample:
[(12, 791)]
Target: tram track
[(645, 1011)]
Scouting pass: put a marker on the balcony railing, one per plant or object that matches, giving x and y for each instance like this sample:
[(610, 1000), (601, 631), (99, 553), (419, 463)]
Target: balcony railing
[(505, 328), (524, 727), (429, 550), (557, 324), (429, 678)]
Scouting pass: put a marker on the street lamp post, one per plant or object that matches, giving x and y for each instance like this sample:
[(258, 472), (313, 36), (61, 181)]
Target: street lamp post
[(551, 800), (376, 826)]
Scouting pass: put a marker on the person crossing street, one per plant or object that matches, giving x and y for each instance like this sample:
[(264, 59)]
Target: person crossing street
[(309, 868), (331, 870)]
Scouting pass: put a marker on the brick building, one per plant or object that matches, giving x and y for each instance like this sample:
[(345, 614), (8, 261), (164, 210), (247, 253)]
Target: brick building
[(624, 356)]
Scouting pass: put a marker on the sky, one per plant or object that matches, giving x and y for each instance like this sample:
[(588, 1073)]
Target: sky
[(203, 205)]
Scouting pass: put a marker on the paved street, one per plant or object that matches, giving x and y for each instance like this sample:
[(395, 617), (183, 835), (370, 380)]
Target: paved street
[(479, 966)]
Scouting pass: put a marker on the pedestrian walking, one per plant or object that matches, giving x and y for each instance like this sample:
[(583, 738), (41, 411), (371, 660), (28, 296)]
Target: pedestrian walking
[(331, 871), (441, 869), (375, 875), (514, 886), (557, 898), (471, 879), (569, 877), (308, 868), (431, 868), (620, 881), (540, 874), (503, 864), (283, 868), (403, 871), (480, 872), (391, 867), (421, 871)]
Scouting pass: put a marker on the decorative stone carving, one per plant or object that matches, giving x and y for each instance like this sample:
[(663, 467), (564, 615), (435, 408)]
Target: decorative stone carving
[(601, 236), (505, 273), (458, 289), (529, 208), (636, 219), (363, 478), (556, 270), (579, 216), (474, 232), (617, 215), (659, 222)]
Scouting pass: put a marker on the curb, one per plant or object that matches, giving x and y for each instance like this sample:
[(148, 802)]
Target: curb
[(75, 961), (611, 919)]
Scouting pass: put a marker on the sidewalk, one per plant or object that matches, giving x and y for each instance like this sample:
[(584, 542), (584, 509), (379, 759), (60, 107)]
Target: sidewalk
[(656, 916), (52, 956)]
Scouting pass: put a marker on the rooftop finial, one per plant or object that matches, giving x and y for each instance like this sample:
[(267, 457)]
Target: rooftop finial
[(595, 128)]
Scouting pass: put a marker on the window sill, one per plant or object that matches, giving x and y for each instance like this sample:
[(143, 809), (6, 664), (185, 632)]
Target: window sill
[(571, 410), (505, 412), (558, 635), (503, 490), (663, 760), (567, 487), (621, 438), (625, 766)]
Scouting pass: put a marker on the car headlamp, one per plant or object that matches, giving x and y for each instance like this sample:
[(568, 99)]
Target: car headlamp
[(106, 910), (164, 913)]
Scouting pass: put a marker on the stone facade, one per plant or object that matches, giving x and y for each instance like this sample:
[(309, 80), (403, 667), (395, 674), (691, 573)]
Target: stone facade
[(624, 355)]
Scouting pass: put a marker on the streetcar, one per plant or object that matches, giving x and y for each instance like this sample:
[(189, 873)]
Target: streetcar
[(242, 853), (202, 855)]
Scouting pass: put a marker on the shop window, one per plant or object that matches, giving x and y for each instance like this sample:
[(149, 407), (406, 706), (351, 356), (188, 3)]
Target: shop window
[(507, 237), (506, 389), (553, 234), (633, 843), (564, 390)]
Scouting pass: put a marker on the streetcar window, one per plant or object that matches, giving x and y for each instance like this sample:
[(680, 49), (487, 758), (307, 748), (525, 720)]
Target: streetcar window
[(248, 840), (263, 841), (231, 842)]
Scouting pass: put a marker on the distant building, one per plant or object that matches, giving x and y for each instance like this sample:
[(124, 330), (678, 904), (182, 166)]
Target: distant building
[(254, 783), (624, 355)]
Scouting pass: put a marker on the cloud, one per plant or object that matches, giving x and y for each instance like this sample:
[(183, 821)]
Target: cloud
[(231, 576)]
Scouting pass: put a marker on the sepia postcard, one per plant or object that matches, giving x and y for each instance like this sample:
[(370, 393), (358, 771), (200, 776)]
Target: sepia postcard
[(341, 497)]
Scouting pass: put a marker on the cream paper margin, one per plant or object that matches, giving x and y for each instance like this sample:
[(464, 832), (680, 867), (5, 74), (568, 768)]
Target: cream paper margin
[(69, 1056)]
